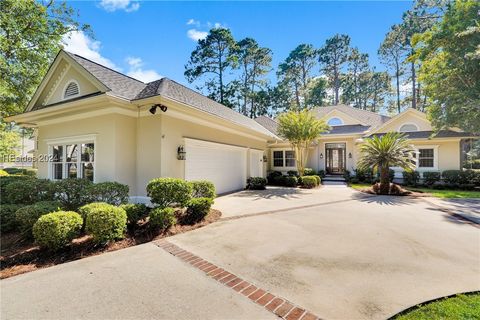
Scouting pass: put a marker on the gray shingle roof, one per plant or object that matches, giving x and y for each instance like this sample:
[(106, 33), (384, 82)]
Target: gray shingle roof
[(348, 129), (268, 123), (428, 134), (120, 85), (369, 118)]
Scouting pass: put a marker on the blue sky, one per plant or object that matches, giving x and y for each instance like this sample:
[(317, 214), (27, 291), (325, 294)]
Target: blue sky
[(149, 39)]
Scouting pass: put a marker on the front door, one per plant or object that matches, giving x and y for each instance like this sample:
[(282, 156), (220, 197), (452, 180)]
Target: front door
[(335, 158)]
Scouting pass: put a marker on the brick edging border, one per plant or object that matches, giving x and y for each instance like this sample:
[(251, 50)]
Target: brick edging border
[(277, 305)]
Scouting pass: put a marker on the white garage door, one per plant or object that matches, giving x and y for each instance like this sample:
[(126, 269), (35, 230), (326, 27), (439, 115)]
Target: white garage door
[(224, 165), (256, 163)]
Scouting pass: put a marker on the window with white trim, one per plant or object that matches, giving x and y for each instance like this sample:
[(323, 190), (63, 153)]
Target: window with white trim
[(72, 160), (335, 122), (71, 90), (284, 158), (426, 158), (408, 127)]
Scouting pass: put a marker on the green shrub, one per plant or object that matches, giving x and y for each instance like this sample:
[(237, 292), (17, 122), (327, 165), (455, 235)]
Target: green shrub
[(291, 181), (109, 192), (26, 216), (430, 178), (364, 175), (347, 175), (321, 173), (135, 212), (163, 218), (166, 192), (5, 181), (29, 191), (197, 209), (203, 189), (73, 193), (3, 173), (55, 230), (273, 176), (309, 182), (256, 183), (7, 217), (308, 172), (410, 178), (293, 173), (105, 222), (319, 180)]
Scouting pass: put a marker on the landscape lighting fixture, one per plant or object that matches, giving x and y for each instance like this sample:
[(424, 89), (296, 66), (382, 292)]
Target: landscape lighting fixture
[(153, 109)]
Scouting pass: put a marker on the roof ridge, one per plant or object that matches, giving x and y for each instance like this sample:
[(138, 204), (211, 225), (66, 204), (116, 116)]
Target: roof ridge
[(103, 66), (375, 113)]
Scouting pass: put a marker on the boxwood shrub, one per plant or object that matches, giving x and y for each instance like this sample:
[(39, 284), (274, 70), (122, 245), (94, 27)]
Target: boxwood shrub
[(7, 217), (135, 212), (73, 193), (197, 209), (430, 177), (203, 189), (273, 177), (105, 222), (411, 178), (308, 172), (319, 180), (28, 191), (166, 192), (256, 183), (5, 181), (291, 181), (109, 192), (26, 216), (55, 230), (309, 182), (163, 218)]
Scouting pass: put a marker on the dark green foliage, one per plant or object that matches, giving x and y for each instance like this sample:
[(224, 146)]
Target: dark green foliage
[(109, 192), (461, 177), (135, 212), (321, 173), (73, 193), (163, 218), (203, 189), (197, 209), (364, 175), (410, 178), (7, 217), (309, 182), (291, 181), (7, 180), (105, 222), (26, 216), (346, 175), (256, 183), (273, 177), (308, 172), (55, 230), (166, 192), (430, 178), (293, 173), (28, 191)]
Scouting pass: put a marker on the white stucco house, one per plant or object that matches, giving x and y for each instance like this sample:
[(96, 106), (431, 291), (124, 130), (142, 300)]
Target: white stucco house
[(96, 123)]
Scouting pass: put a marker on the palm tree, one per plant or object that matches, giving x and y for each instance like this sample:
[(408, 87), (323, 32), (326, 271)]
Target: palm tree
[(382, 152)]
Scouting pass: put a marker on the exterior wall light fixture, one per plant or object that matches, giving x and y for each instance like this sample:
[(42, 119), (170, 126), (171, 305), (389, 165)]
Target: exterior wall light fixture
[(181, 153)]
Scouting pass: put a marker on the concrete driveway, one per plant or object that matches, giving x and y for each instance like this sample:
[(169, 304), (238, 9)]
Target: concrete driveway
[(339, 254)]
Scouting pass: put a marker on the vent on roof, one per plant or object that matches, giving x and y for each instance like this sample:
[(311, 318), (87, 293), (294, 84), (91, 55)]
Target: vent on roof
[(71, 90)]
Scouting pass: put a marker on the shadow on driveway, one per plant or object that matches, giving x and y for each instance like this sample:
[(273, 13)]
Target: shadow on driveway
[(382, 200)]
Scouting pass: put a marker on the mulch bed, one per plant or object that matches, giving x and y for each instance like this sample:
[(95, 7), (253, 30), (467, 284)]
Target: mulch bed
[(18, 255), (402, 192)]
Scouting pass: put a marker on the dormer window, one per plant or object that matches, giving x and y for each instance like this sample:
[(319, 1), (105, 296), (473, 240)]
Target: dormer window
[(71, 90), (335, 122), (408, 127)]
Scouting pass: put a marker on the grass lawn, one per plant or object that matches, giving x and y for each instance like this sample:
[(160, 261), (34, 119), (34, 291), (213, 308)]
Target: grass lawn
[(431, 192), (462, 306)]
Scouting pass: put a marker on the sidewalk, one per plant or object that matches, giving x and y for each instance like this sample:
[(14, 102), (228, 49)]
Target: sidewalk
[(467, 208)]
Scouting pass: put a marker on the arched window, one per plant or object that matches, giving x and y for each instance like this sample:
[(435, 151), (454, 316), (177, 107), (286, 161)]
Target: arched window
[(408, 127), (71, 90), (335, 122)]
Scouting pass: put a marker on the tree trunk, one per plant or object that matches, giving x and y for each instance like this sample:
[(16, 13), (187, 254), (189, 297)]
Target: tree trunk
[(397, 76), (335, 81), (384, 180), (414, 87)]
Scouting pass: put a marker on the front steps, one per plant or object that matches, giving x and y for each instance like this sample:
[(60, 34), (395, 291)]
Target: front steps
[(334, 178)]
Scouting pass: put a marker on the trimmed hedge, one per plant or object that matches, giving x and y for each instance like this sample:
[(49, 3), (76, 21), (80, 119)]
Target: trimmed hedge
[(197, 209), (28, 191), (410, 178), (8, 222), (203, 189), (105, 222), (430, 178), (319, 180), (21, 171), (291, 181), (55, 230), (109, 192), (73, 193), (309, 182), (165, 192), (364, 175), (256, 183), (163, 218), (26, 216), (308, 172), (135, 212)]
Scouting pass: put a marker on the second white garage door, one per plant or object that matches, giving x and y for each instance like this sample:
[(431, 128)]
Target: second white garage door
[(224, 165)]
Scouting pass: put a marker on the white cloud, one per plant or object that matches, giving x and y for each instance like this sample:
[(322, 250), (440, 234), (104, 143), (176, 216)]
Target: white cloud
[(137, 72), (193, 22), (79, 43), (114, 5), (196, 35)]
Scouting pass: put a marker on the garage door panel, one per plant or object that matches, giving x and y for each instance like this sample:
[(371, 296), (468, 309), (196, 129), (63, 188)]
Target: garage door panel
[(221, 164)]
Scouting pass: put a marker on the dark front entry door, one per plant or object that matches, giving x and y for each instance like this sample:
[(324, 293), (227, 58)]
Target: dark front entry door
[(335, 158)]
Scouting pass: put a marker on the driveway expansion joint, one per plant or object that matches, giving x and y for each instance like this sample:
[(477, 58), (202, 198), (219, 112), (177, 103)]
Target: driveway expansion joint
[(279, 306)]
